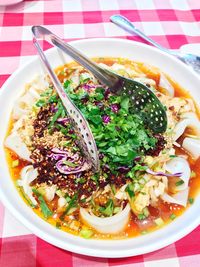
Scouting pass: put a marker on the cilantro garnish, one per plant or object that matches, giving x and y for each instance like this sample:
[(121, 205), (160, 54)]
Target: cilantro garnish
[(124, 135)]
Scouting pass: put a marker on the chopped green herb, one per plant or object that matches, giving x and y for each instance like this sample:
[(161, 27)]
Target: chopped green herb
[(113, 189), (159, 221), (141, 216), (144, 232), (58, 225), (146, 212), (47, 92), (81, 180), (15, 163), (69, 163), (56, 116), (172, 216), (44, 208), (125, 103), (27, 198), (130, 190), (179, 183), (191, 200), (67, 84), (67, 143), (71, 204), (83, 200), (172, 156), (136, 168), (116, 210), (84, 80), (53, 99), (86, 233), (40, 103), (95, 178), (67, 198), (193, 174), (121, 139), (108, 209)]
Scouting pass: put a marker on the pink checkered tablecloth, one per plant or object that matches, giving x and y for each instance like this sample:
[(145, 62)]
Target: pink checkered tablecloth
[(171, 23)]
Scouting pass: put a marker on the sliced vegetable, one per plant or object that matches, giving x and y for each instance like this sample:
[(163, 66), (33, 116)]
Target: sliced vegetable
[(15, 163), (86, 233), (71, 204), (191, 200), (159, 221), (112, 224), (108, 209), (44, 207), (172, 216)]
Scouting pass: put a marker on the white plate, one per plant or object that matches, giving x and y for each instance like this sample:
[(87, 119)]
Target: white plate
[(11, 199), (191, 49)]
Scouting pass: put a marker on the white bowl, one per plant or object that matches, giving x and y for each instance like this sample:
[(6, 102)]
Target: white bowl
[(9, 195)]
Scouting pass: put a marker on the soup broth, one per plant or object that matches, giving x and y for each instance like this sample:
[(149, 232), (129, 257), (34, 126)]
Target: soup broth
[(157, 212)]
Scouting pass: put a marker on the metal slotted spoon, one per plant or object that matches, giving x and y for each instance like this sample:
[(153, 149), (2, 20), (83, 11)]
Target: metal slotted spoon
[(143, 101)]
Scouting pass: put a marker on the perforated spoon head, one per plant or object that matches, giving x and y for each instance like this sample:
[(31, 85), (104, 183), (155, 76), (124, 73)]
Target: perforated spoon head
[(143, 102)]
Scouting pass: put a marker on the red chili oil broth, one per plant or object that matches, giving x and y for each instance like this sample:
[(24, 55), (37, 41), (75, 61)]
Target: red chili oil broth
[(135, 227)]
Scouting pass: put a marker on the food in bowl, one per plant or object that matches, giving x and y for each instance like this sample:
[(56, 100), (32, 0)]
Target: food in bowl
[(146, 180)]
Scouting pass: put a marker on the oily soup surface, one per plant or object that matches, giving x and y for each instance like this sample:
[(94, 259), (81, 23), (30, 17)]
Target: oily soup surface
[(101, 194)]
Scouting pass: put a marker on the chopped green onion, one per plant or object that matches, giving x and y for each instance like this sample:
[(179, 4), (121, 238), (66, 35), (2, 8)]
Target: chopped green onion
[(15, 163), (159, 221), (27, 198), (44, 208), (66, 143), (71, 204), (141, 216), (68, 199), (95, 178), (113, 189), (58, 225), (108, 209), (191, 200), (144, 232), (172, 156), (172, 216), (179, 183), (86, 233), (193, 174), (129, 190), (116, 210), (59, 193), (69, 163), (40, 103), (146, 212), (81, 180), (56, 116)]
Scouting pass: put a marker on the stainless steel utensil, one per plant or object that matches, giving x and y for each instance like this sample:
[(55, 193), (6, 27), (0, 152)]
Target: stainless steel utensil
[(80, 124), (144, 101), (191, 60)]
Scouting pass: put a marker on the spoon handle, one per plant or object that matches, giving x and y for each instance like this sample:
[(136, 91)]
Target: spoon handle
[(124, 23), (103, 75)]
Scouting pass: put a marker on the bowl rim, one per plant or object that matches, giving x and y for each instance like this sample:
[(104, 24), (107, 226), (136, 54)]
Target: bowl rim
[(79, 248)]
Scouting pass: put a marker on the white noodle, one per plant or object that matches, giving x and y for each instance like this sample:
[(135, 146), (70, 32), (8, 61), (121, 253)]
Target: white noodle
[(113, 224)]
